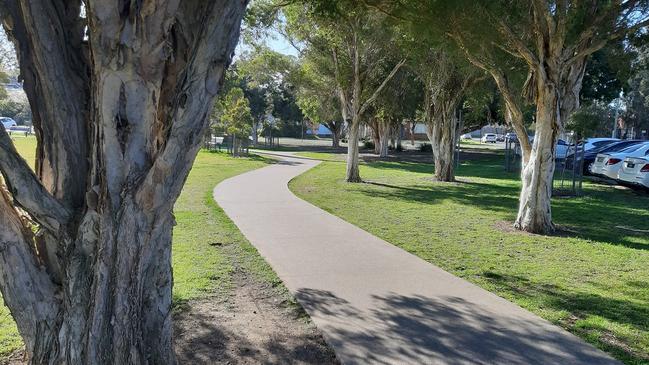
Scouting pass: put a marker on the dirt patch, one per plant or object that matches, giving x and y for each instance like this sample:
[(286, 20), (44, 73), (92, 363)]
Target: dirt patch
[(560, 231), (256, 325), (15, 358)]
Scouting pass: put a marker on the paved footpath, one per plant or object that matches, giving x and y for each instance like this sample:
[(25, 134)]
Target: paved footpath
[(378, 304)]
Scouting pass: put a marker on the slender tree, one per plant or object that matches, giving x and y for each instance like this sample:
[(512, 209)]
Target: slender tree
[(120, 94), (395, 105), (354, 39)]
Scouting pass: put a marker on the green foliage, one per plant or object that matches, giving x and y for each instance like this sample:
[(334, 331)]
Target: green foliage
[(368, 144), (234, 113), (425, 147), (316, 90), (591, 120), (14, 109), (637, 95), (606, 73)]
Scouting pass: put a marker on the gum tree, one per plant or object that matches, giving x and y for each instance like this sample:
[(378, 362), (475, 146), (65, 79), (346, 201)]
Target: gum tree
[(354, 38), (120, 93), (445, 83), (553, 39)]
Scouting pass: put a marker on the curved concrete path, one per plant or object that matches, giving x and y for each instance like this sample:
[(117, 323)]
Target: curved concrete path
[(375, 303)]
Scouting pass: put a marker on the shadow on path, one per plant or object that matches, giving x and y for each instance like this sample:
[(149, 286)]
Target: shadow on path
[(448, 330)]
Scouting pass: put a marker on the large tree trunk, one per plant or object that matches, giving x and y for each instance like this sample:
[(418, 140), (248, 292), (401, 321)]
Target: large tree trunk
[(335, 140), (442, 133), (384, 144), (535, 213), (353, 174), (375, 129), (444, 87), (119, 119), (336, 129), (555, 89), (384, 137)]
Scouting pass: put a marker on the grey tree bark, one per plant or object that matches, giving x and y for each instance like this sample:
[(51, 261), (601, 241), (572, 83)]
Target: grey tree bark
[(119, 118), (442, 132), (445, 85), (353, 103), (336, 128)]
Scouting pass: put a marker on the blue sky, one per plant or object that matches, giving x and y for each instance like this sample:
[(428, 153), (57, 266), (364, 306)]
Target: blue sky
[(279, 44)]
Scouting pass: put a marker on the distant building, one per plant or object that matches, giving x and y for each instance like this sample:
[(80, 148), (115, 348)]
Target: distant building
[(321, 131)]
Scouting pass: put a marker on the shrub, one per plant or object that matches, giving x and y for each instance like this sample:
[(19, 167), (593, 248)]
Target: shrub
[(425, 147), (368, 144)]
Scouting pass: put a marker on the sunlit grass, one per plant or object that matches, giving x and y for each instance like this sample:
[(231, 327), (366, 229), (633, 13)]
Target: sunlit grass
[(593, 279)]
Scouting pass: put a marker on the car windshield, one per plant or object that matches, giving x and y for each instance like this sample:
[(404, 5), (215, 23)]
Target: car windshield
[(633, 148), (603, 143), (619, 146)]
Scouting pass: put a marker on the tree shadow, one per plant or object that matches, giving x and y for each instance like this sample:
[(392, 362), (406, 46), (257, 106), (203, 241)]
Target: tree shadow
[(586, 305), (208, 341), (601, 216), (417, 329)]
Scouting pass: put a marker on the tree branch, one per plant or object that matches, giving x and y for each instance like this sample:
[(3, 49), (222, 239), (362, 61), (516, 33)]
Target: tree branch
[(378, 90), (26, 287), (48, 37), (594, 47), (518, 44), (27, 190), (204, 63)]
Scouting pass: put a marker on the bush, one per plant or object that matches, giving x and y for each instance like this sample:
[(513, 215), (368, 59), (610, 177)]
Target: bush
[(368, 144), (425, 147), (399, 148)]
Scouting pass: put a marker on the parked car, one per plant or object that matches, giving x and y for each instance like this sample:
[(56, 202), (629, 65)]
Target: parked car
[(591, 155), (635, 170), (466, 136), (500, 138), (8, 122), (489, 138), (511, 137), (592, 143), (21, 129), (609, 164), (561, 149)]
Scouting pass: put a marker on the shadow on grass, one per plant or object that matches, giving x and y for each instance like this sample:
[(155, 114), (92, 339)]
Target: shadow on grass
[(594, 217), (201, 338), (584, 306)]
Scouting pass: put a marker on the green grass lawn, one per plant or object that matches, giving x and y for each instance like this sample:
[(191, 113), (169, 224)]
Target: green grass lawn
[(206, 244), (594, 281)]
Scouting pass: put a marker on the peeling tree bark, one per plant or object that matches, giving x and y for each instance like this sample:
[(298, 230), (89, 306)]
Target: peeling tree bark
[(119, 119), (535, 211), (352, 102), (336, 128), (444, 89)]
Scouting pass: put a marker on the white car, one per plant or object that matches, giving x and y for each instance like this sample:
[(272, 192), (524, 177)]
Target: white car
[(609, 164), (8, 122), (635, 170), (592, 143), (489, 138)]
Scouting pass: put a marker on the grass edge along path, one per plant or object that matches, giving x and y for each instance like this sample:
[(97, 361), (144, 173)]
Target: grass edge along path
[(592, 281), (206, 243)]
